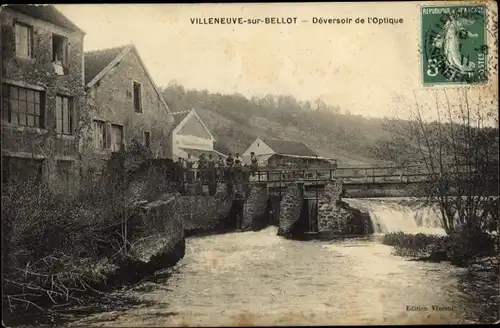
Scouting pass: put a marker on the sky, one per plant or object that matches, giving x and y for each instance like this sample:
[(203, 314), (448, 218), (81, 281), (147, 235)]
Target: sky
[(365, 69)]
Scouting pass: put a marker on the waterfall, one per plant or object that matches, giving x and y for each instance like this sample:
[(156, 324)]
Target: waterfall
[(408, 215)]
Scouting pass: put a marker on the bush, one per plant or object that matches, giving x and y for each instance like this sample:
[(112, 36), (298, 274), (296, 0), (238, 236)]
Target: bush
[(56, 246), (460, 247), (411, 245)]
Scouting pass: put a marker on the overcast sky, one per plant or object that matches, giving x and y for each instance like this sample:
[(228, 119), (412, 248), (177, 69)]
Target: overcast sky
[(363, 68)]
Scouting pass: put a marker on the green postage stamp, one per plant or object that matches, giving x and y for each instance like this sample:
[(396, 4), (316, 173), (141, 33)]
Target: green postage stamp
[(454, 49)]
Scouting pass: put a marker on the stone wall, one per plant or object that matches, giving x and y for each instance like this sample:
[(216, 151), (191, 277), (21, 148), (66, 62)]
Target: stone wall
[(37, 73), (204, 212), (157, 241), (255, 206), (161, 228), (291, 205), (336, 217), (333, 192), (111, 101)]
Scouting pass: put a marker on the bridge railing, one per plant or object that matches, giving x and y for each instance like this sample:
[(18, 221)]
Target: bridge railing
[(263, 174), (365, 175), (381, 174)]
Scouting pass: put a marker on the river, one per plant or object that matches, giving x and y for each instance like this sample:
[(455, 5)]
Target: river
[(258, 278)]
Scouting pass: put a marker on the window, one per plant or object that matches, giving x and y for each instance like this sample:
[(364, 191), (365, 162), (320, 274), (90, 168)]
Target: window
[(64, 115), (18, 169), (64, 171), (60, 49), (138, 97), (24, 40), (99, 134), (116, 137), (22, 106), (147, 139)]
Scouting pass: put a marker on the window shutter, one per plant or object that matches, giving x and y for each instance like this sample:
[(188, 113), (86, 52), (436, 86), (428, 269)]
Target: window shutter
[(17, 38), (107, 135), (67, 53), (33, 43)]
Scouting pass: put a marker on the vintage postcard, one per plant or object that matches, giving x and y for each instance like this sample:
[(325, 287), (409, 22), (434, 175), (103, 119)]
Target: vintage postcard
[(250, 164)]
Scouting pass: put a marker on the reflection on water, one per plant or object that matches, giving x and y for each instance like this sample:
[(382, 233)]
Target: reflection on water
[(258, 278)]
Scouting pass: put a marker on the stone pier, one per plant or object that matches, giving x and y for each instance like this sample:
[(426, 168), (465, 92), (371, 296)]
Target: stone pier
[(290, 208), (338, 218), (255, 207)]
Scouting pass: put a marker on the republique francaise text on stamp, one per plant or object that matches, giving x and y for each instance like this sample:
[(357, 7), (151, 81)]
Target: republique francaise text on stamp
[(454, 49)]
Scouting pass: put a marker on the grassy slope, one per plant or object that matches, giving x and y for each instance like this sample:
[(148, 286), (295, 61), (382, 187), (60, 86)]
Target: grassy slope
[(236, 121)]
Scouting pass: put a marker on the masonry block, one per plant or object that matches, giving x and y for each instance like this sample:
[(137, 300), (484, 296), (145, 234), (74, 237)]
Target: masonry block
[(291, 206), (336, 217), (255, 206)]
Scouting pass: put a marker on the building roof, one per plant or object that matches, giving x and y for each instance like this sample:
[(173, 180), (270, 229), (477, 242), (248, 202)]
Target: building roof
[(97, 60), (287, 147), (179, 117), (109, 58), (47, 13)]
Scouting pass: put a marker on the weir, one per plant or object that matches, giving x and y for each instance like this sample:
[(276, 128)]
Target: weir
[(408, 215), (323, 202)]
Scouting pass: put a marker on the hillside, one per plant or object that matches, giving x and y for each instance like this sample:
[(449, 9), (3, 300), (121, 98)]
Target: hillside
[(235, 121)]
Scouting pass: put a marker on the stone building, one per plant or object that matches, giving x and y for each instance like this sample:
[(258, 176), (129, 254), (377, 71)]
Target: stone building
[(42, 95), (285, 153), (190, 135), (123, 104)]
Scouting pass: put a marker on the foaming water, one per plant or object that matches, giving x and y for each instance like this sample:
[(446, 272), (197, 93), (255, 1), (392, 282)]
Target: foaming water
[(407, 215), (258, 278)]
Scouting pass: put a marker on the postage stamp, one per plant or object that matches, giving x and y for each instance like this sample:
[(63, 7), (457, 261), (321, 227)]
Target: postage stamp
[(454, 49)]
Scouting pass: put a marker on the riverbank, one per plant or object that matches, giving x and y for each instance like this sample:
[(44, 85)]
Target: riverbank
[(62, 252), (156, 231), (476, 251), (113, 295)]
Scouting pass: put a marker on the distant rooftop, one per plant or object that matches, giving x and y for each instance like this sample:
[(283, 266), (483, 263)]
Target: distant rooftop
[(47, 13), (287, 147)]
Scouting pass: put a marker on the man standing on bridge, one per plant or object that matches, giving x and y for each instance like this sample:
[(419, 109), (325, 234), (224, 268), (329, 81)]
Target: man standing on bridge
[(220, 164), (212, 183), (189, 168), (254, 163), (229, 172)]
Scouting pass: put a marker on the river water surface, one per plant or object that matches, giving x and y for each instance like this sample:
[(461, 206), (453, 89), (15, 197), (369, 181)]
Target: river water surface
[(258, 278)]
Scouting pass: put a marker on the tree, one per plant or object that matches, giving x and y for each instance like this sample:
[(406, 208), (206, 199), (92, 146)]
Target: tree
[(459, 152)]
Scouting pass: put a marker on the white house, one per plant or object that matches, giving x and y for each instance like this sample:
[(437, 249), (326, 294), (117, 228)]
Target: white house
[(275, 152), (190, 135)]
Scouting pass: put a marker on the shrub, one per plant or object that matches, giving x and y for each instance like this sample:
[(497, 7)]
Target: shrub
[(417, 245), (56, 247), (459, 247)]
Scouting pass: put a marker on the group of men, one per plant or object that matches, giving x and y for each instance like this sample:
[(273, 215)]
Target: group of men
[(220, 167)]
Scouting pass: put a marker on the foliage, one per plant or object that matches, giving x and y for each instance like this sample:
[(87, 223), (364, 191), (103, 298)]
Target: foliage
[(411, 245), (58, 246), (459, 151), (460, 247), (235, 121)]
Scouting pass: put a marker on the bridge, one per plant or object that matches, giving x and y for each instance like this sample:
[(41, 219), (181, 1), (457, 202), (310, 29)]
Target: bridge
[(373, 181), (298, 199)]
